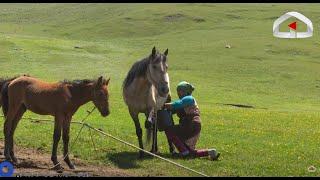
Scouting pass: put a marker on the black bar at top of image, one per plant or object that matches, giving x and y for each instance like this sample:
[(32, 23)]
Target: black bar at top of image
[(160, 1)]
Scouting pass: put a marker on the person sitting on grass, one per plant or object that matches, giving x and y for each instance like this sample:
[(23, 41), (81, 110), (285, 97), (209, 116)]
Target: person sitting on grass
[(186, 134)]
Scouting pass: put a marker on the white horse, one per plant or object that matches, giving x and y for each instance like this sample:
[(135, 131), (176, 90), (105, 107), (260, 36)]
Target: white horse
[(145, 90)]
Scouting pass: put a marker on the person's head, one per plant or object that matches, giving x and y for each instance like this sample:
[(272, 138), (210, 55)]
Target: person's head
[(184, 89)]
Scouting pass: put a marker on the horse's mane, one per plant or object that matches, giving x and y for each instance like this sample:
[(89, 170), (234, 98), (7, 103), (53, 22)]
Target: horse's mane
[(78, 82), (138, 69)]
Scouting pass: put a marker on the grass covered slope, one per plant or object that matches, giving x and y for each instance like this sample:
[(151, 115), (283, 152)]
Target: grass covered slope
[(277, 76)]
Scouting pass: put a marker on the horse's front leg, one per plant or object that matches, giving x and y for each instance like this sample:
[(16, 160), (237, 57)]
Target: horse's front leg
[(56, 138), (154, 148), (135, 118), (65, 138), (155, 139)]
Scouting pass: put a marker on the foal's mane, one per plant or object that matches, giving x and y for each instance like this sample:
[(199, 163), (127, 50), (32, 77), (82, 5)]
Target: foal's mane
[(78, 82), (138, 69)]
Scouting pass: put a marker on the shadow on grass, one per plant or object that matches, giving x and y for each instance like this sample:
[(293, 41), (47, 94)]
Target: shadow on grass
[(129, 160), (125, 159)]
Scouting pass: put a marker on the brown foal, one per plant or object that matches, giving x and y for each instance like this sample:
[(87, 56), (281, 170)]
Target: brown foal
[(61, 100)]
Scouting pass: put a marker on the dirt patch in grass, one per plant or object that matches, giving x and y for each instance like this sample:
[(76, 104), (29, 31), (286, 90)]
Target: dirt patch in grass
[(32, 162), (198, 19), (240, 105), (174, 17)]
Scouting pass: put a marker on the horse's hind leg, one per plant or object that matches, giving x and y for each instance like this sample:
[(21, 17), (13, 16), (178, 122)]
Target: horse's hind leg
[(65, 138), (8, 124), (56, 138), (6, 130), (134, 116), (15, 122)]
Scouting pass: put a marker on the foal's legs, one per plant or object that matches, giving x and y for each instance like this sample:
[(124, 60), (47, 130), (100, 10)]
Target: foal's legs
[(8, 124), (65, 138), (134, 116), (15, 122), (56, 138)]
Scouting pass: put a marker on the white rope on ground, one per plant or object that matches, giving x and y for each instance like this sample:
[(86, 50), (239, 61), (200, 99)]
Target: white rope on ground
[(117, 139), (124, 142)]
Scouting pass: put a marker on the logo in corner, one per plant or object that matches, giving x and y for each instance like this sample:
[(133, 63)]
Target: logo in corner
[(292, 26)]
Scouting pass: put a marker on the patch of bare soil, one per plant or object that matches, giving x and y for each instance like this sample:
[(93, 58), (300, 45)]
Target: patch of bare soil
[(32, 162), (174, 17)]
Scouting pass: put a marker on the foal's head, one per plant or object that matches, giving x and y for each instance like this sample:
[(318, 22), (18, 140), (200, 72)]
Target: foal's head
[(101, 96), (157, 71)]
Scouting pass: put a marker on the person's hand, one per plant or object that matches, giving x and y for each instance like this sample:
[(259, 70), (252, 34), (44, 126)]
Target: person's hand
[(168, 106)]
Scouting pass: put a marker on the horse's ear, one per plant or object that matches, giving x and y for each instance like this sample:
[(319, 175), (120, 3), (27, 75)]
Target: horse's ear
[(107, 82), (100, 80), (153, 53), (166, 52)]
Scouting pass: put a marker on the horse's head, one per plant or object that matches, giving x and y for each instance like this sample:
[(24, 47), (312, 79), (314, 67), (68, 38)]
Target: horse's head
[(157, 71), (101, 96)]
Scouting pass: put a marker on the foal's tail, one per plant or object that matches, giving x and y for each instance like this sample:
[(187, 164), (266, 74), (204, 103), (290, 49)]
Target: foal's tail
[(5, 98)]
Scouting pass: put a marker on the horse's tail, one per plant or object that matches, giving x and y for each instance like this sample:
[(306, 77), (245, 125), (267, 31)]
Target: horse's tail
[(5, 98)]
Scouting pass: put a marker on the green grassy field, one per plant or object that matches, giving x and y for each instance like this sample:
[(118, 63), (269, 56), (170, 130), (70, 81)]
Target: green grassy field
[(280, 77)]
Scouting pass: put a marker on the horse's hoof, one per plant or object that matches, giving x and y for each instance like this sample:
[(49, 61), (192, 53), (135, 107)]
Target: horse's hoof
[(72, 166), (14, 160), (58, 168), (141, 155), (155, 152), (69, 163), (8, 158)]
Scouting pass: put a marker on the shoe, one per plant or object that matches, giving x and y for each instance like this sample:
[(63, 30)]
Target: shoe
[(213, 154), (175, 154), (185, 153)]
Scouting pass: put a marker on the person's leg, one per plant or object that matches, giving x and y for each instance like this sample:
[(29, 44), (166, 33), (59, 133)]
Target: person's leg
[(201, 152), (213, 154), (176, 141), (192, 139)]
